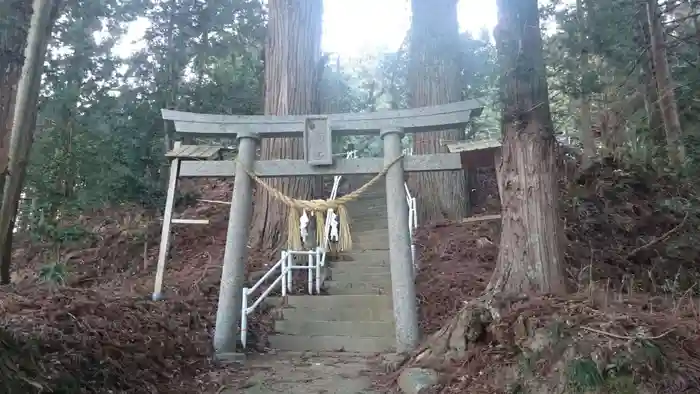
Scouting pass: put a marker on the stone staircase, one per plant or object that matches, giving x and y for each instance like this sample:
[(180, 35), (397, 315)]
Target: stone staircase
[(357, 313)]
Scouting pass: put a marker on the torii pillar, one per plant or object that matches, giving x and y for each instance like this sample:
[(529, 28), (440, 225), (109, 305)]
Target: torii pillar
[(228, 312), (402, 283)]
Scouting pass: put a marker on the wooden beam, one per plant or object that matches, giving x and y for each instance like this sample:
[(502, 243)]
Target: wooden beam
[(470, 146), (195, 151), (476, 154), (284, 168), (411, 120), (481, 218), (215, 201), (190, 221)]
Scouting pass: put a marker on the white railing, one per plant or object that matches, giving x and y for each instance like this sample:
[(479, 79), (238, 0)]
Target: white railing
[(412, 214), (283, 268), (412, 224)]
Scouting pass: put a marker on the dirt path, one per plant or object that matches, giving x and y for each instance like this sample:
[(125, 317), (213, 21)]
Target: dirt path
[(307, 373)]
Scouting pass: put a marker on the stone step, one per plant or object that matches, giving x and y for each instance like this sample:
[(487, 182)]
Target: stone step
[(373, 192), (373, 237), (360, 216), (357, 228), (374, 206), (349, 268), (378, 208), (344, 287), (367, 212), (356, 184), (371, 246), (345, 265), (370, 196), (298, 343), (368, 201), (333, 328), (369, 257), (346, 261), (321, 302), (370, 233), (342, 313), (354, 278), (362, 213), (369, 217)]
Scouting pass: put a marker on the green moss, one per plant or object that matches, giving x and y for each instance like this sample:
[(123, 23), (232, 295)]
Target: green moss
[(582, 375)]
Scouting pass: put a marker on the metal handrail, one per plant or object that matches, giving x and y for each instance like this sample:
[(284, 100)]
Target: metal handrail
[(412, 215), (285, 265), (412, 223)]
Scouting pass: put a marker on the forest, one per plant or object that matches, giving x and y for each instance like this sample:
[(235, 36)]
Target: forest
[(593, 102)]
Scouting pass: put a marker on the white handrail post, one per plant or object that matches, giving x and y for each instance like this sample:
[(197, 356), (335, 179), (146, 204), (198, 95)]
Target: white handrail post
[(283, 273), (290, 262), (244, 317), (310, 273), (414, 225), (319, 263), (414, 204)]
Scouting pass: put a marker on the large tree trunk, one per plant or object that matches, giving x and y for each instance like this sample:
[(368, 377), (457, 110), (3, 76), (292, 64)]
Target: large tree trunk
[(292, 55), (13, 39), (669, 107), (648, 80), (24, 123), (435, 78), (586, 132), (530, 256)]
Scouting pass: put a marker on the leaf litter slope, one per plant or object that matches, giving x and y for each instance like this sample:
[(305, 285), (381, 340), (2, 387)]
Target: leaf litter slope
[(100, 332), (631, 256)]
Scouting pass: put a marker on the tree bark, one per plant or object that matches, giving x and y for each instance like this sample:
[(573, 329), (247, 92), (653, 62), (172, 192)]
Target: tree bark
[(669, 106), (292, 56), (587, 139), (434, 79), (651, 94), (530, 256), (12, 43), (25, 112)]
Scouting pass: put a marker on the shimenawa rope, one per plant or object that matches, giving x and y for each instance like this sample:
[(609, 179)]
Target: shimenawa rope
[(319, 208)]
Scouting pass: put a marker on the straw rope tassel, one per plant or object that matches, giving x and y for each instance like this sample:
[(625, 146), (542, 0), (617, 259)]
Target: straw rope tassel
[(294, 229), (319, 207), (345, 240), (320, 227)]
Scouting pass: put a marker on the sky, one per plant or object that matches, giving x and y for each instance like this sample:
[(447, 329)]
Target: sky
[(349, 30)]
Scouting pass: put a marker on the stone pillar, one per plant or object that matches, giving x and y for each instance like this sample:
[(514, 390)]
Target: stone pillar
[(402, 283), (232, 276)]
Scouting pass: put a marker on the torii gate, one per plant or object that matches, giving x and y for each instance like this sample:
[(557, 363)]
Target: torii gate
[(317, 132)]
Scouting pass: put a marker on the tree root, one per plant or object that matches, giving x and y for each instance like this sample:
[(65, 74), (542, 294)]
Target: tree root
[(469, 325)]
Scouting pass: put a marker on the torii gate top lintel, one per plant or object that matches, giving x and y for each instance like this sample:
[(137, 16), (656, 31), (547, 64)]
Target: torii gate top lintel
[(410, 120), (317, 132)]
